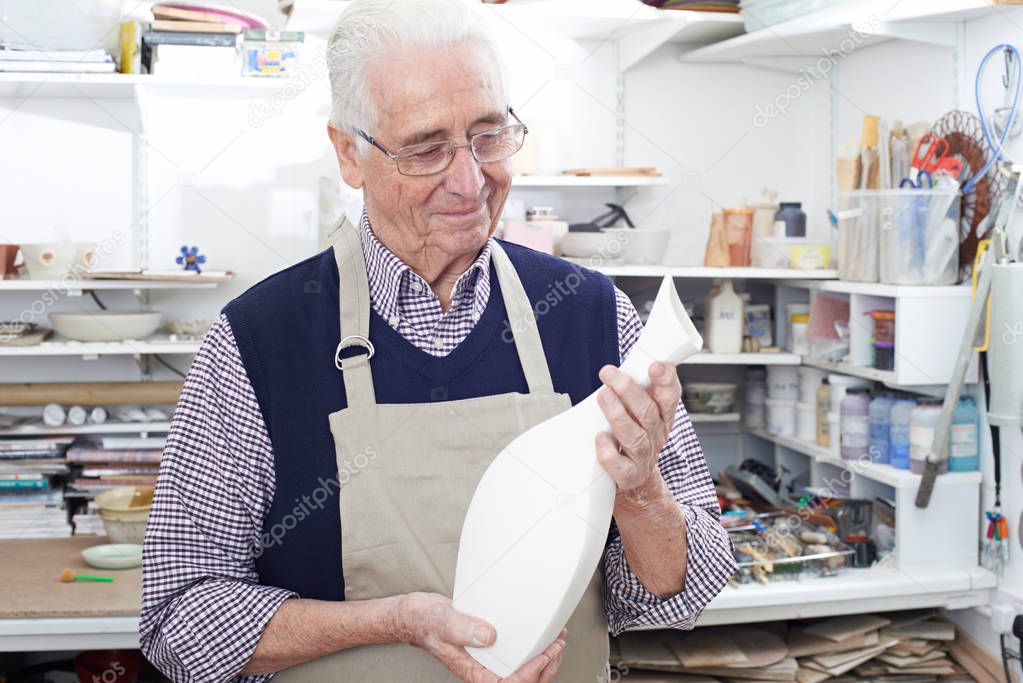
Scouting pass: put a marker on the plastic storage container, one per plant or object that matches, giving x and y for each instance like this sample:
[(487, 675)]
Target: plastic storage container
[(809, 382), (783, 382), (880, 414), (964, 449), (756, 393), (709, 397), (919, 236), (884, 355), (806, 421), (921, 434), (898, 433), (790, 220), (781, 416), (855, 424), (857, 251), (723, 320), (798, 342)]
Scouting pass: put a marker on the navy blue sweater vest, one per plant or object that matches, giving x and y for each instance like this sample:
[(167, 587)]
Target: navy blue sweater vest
[(287, 328)]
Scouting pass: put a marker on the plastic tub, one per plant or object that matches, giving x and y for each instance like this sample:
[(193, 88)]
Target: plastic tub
[(855, 424), (919, 236), (806, 422), (709, 397), (771, 252), (834, 433), (884, 355), (857, 250), (756, 392), (810, 255), (840, 384), (798, 343), (810, 380), (884, 324), (781, 416), (783, 382)]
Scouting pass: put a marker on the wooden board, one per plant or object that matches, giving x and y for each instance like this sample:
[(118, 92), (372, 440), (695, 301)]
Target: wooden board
[(162, 276), (785, 670), (32, 589), (646, 650), (802, 644), (731, 646), (836, 660), (923, 630), (840, 628), (972, 665), (90, 393)]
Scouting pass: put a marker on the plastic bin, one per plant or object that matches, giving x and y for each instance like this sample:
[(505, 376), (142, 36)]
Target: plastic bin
[(919, 236)]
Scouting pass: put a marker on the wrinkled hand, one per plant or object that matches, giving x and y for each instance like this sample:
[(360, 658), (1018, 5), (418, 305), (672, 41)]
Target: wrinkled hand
[(640, 421), (429, 621)]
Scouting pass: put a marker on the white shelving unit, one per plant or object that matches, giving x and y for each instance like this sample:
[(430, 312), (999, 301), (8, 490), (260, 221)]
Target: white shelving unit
[(79, 286), (140, 428), (566, 181), (721, 418), (612, 269), (707, 358), (59, 347), (116, 85)]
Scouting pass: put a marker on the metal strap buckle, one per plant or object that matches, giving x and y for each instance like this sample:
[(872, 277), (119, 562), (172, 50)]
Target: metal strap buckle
[(353, 340)]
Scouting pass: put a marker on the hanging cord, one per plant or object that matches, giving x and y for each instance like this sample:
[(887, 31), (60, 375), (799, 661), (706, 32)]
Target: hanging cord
[(997, 150), (158, 359)]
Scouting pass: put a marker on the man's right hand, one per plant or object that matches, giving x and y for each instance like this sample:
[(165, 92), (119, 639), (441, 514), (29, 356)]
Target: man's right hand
[(429, 621)]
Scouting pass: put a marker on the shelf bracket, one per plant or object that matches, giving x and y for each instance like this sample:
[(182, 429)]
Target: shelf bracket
[(786, 64), (638, 45), (942, 34)]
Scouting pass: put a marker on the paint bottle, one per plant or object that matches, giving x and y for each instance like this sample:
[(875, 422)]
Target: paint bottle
[(823, 408), (854, 424), (880, 413), (964, 448), (898, 433)]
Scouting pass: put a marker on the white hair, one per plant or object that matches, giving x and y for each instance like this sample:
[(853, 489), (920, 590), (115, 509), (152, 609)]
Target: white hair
[(367, 29)]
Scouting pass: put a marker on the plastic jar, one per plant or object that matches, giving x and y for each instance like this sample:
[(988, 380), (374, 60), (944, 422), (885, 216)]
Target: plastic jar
[(806, 422), (842, 383), (781, 416), (809, 382), (783, 382), (898, 432), (855, 424), (755, 394), (884, 355), (880, 413), (963, 449), (790, 220), (884, 325), (823, 407), (798, 343), (921, 434)]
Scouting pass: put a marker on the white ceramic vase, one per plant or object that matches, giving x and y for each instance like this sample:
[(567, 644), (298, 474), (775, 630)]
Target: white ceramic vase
[(538, 521)]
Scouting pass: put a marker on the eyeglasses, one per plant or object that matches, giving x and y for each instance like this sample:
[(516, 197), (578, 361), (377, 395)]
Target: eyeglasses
[(428, 158)]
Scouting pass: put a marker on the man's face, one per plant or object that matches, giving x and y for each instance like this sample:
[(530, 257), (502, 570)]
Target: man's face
[(432, 94)]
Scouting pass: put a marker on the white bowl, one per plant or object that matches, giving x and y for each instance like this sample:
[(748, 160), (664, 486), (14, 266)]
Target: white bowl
[(113, 556), (55, 260), (592, 245), (104, 326), (642, 246)]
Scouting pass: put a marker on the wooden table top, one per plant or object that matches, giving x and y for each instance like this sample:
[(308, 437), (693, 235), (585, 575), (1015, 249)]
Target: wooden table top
[(30, 576)]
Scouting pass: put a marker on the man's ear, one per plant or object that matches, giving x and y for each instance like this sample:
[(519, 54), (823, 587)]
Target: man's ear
[(349, 159)]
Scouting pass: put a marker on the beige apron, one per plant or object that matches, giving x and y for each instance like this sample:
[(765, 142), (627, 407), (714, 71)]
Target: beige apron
[(408, 472)]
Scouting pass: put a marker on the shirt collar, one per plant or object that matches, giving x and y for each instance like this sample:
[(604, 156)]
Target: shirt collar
[(389, 276)]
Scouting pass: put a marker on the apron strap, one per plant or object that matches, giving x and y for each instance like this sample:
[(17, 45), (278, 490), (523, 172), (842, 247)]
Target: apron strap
[(523, 324), (354, 298)]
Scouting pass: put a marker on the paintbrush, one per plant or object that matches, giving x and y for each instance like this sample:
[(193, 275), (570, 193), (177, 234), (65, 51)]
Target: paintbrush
[(69, 576)]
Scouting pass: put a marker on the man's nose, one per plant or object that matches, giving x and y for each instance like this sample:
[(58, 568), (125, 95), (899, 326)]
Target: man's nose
[(464, 175)]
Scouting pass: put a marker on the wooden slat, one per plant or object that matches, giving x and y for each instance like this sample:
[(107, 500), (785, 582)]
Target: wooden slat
[(90, 393)]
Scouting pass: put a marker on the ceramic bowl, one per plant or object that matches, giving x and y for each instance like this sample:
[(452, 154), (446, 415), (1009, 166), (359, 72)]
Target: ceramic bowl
[(113, 556), (105, 326), (55, 260), (592, 245), (642, 246)]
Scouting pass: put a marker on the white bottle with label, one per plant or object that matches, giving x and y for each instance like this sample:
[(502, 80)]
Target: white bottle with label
[(723, 320)]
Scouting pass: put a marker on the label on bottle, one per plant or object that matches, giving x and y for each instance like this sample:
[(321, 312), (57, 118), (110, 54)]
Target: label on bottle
[(963, 441), (855, 431), (921, 436)]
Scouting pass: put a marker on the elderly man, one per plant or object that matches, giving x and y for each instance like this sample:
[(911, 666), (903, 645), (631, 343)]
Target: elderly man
[(340, 413)]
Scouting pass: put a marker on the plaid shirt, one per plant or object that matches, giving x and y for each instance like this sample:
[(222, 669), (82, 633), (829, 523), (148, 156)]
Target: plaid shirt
[(203, 609)]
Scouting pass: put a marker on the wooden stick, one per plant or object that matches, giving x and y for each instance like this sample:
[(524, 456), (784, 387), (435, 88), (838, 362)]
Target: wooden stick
[(90, 393)]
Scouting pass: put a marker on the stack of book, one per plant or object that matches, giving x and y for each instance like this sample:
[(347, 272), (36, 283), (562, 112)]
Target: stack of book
[(14, 58), (113, 462), (31, 499), (192, 40)]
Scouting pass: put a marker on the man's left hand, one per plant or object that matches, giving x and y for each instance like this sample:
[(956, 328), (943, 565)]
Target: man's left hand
[(640, 421)]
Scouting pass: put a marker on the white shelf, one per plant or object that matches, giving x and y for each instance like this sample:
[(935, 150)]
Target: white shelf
[(63, 347), (804, 39), (714, 417), (763, 358), (705, 273), (115, 85), (72, 430), (885, 376), (885, 474), (892, 291), (79, 286), (853, 591), (523, 181), (74, 633)]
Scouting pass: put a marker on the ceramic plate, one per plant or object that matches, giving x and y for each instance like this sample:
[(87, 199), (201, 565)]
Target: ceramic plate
[(113, 556)]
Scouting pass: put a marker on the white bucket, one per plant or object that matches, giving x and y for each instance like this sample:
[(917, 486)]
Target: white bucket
[(834, 433), (809, 382), (781, 416), (783, 382), (840, 384), (806, 422)]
